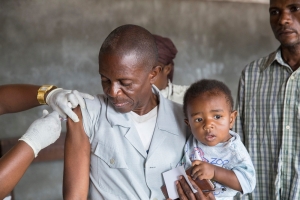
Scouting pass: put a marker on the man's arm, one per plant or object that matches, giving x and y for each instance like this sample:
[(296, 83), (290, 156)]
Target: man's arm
[(17, 97), (238, 126), (76, 160)]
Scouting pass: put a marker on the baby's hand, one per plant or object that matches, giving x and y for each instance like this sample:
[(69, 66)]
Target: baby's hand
[(202, 170)]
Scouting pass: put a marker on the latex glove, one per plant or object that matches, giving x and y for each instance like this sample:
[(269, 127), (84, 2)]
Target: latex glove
[(62, 101), (43, 132)]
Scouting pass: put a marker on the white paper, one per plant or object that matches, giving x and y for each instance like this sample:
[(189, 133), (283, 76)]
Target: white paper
[(171, 177)]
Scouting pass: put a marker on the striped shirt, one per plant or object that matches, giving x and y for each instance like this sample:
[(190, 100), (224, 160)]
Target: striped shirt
[(268, 104)]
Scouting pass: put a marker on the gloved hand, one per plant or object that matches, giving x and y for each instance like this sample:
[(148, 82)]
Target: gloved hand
[(43, 132), (62, 101)]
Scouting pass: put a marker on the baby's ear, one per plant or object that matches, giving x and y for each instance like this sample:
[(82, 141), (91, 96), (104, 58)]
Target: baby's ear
[(232, 118)]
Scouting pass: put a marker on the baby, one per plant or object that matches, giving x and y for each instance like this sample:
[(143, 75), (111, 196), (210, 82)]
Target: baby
[(214, 151)]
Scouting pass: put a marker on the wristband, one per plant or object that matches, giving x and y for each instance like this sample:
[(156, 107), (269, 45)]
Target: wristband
[(43, 92)]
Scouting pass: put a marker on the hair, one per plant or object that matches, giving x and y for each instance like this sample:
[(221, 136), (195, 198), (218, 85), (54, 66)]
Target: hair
[(213, 87), (131, 38), (166, 52)]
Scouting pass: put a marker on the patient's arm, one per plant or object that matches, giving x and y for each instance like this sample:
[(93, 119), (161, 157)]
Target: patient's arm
[(18, 97), (76, 160)]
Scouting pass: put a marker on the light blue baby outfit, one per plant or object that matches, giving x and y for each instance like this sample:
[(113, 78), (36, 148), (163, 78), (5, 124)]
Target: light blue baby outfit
[(231, 155)]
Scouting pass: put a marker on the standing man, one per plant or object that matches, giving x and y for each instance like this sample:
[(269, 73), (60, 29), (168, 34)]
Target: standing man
[(130, 134), (269, 108)]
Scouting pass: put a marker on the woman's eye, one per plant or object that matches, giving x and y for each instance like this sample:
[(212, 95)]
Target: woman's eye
[(217, 117), (198, 120)]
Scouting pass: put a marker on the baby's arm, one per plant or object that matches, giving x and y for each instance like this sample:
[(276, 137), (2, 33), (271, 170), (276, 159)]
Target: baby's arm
[(204, 170)]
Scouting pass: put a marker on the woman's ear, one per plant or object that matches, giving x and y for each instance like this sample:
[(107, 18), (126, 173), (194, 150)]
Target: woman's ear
[(167, 69), (153, 74)]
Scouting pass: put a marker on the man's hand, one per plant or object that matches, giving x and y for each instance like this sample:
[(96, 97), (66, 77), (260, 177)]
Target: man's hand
[(43, 132), (185, 192), (62, 101), (202, 170)]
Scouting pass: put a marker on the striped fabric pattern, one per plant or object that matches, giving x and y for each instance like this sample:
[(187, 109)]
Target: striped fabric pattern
[(268, 105)]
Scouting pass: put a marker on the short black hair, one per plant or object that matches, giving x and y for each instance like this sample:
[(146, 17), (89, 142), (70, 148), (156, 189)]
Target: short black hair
[(206, 85), (128, 38)]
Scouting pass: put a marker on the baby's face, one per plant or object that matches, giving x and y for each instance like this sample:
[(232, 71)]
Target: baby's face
[(210, 118)]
